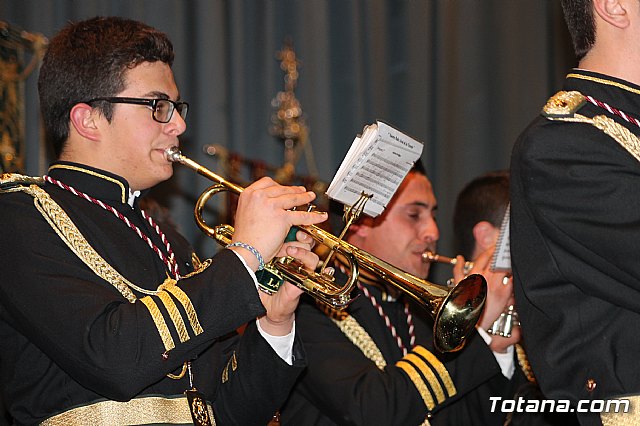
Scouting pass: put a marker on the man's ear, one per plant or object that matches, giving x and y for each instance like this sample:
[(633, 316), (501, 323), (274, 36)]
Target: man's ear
[(362, 227), (84, 120), (613, 12), (485, 235)]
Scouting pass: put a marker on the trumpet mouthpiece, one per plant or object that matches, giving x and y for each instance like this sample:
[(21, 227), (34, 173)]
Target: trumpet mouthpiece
[(172, 154)]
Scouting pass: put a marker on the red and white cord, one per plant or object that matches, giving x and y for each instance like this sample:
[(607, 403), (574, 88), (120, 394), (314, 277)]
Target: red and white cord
[(169, 259)]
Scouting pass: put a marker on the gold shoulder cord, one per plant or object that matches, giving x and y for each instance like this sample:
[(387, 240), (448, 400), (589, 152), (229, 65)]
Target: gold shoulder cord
[(361, 339), (73, 238), (523, 361), (563, 106)]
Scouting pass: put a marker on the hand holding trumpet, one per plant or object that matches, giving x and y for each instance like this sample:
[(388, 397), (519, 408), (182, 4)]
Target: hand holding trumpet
[(264, 217), (499, 295)]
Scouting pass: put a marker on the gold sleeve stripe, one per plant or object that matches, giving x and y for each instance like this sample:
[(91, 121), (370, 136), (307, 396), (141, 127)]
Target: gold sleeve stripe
[(175, 316), (418, 382), (233, 363), (428, 374), (161, 325), (439, 367), (188, 307)]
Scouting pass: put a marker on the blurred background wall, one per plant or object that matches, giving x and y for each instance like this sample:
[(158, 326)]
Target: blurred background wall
[(463, 76)]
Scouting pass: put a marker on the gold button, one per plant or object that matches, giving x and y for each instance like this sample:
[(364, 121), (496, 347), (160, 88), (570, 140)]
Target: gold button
[(591, 385)]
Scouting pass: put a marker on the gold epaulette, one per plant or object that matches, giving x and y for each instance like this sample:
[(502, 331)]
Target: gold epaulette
[(11, 182), (564, 104)]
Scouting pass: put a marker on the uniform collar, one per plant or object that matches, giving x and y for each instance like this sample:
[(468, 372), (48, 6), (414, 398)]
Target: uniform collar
[(100, 184), (616, 92)]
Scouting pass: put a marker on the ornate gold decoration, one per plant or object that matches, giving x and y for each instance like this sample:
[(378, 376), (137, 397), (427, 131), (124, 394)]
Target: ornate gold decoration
[(15, 44), (287, 122), (144, 410), (563, 104)]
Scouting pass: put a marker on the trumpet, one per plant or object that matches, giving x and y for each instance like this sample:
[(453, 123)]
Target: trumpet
[(455, 311), (504, 324), (429, 256)]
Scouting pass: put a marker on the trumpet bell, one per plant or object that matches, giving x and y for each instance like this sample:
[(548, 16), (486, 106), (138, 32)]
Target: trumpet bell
[(458, 313)]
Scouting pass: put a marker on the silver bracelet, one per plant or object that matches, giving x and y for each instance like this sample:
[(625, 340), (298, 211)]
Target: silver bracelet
[(253, 250)]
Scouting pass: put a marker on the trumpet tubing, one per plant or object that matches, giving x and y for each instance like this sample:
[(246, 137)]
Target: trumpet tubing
[(431, 257), (455, 311)]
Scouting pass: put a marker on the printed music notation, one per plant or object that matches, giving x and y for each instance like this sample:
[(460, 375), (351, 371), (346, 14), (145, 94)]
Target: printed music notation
[(376, 163)]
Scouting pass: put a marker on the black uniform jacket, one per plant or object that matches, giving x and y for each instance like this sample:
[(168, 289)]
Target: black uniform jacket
[(70, 338), (343, 386), (575, 244)]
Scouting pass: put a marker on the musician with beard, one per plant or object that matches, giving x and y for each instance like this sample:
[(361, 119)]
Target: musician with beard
[(375, 364)]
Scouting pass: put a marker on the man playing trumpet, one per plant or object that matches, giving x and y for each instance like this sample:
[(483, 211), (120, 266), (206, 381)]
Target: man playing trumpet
[(375, 363), (106, 317)]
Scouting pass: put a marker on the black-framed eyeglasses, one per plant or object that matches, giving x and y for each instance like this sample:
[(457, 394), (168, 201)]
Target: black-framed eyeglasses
[(162, 109)]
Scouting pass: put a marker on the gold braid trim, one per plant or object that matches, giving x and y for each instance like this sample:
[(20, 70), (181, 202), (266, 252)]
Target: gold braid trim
[(631, 418), (73, 238), (233, 363), (523, 361), (617, 131), (418, 383), (160, 323), (427, 373), (604, 81), (439, 367), (188, 307), (359, 337), (175, 316), (563, 106), (138, 411)]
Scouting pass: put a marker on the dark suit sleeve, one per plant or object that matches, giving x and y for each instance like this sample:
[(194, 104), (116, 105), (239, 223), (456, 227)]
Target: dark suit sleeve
[(255, 381)]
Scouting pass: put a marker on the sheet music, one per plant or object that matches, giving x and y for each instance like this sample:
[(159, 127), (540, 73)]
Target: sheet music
[(376, 164), (501, 260)]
